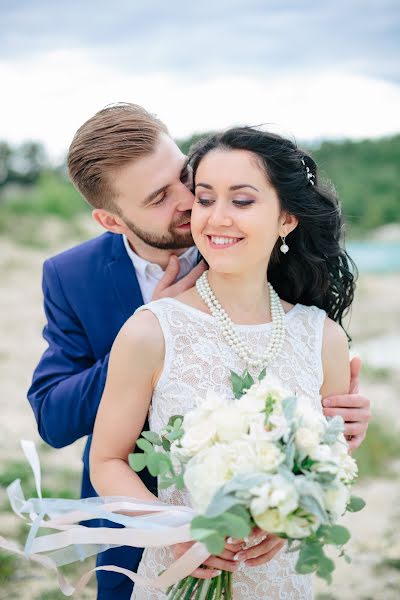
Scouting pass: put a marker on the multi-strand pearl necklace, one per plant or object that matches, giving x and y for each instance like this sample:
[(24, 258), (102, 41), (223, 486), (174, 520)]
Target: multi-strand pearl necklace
[(228, 327)]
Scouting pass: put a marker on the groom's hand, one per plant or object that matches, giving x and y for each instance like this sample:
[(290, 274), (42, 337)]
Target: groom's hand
[(353, 407), (167, 288)]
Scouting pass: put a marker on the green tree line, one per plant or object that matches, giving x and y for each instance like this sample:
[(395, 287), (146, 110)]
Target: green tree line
[(365, 174)]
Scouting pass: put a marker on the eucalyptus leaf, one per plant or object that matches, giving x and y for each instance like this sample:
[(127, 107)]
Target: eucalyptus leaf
[(137, 461), (236, 526), (152, 437), (144, 445), (355, 504)]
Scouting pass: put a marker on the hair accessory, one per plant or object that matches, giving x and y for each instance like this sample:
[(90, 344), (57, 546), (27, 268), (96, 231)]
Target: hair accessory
[(284, 248), (310, 176)]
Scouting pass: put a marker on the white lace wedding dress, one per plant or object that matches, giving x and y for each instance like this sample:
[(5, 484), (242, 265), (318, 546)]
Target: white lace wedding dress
[(198, 358)]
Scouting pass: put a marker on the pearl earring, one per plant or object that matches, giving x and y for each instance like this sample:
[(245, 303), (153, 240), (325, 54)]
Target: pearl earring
[(284, 248)]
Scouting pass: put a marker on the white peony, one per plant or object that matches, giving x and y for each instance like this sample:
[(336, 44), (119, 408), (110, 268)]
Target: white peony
[(306, 440), (228, 423), (277, 493), (309, 417), (211, 468), (336, 499), (205, 473)]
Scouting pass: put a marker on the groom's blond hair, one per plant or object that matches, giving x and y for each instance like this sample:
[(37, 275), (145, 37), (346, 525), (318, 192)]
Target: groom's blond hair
[(113, 137)]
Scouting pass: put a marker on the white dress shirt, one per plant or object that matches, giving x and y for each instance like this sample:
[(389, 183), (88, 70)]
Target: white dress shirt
[(149, 274)]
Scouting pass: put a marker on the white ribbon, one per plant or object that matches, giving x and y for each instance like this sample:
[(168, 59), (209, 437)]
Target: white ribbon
[(163, 525)]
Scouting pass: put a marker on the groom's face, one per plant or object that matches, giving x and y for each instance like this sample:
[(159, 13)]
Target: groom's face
[(154, 197)]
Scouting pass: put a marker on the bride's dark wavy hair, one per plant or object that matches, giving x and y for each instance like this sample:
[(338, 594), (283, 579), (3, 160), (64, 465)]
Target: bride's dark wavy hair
[(317, 269)]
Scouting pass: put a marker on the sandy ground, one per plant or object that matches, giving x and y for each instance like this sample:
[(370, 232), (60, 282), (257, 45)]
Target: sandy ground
[(375, 325)]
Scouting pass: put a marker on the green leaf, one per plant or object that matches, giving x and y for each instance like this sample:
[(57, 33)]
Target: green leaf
[(355, 504), (166, 444), (158, 464), (325, 568), (144, 445), (347, 558), (152, 437), (248, 381), (172, 420), (237, 385), (333, 534), (215, 543), (262, 374), (137, 462), (236, 526)]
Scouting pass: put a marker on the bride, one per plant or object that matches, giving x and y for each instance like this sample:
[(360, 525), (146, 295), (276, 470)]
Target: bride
[(263, 222)]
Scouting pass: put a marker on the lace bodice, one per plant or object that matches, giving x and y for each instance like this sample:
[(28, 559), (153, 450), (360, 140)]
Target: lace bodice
[(197, 358)]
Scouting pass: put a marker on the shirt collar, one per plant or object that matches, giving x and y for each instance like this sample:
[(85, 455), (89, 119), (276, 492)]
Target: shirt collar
[(187, 261)]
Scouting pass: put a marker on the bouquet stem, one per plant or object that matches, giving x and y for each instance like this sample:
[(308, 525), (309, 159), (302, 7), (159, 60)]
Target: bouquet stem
[(218, 588)]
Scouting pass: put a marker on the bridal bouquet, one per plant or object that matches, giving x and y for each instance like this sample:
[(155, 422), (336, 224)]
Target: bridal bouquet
[(266, 459)]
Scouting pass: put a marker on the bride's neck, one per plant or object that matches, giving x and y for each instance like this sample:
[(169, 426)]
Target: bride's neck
[(245, 296)]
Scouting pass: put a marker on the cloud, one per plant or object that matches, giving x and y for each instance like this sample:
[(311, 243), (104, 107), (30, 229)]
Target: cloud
[(212, 38), (49, 96)]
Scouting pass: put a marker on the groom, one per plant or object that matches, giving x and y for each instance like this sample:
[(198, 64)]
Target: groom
[(128, 168)]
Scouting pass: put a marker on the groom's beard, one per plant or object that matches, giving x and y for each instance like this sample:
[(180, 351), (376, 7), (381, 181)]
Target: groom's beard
[(172, 240)]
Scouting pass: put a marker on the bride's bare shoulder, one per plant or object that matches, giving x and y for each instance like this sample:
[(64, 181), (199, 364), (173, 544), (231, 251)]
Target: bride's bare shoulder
[(142, 332)]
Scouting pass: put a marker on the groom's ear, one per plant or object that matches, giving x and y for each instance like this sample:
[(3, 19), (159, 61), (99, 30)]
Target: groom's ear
[(108, 220)]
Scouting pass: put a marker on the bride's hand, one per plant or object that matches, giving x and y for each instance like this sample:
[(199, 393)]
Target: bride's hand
[(262, 552), (214, 564)]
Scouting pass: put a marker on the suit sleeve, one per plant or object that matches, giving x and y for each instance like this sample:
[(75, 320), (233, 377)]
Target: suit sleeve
[(68, 382)]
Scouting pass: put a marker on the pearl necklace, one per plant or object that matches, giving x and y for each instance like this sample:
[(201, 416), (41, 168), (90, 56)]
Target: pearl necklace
[(228, 327)]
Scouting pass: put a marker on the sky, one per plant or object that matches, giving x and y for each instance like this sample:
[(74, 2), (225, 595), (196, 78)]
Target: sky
[(312, 70)]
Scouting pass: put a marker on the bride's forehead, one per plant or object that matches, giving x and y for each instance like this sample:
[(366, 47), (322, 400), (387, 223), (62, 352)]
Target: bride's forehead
[(224, 164)]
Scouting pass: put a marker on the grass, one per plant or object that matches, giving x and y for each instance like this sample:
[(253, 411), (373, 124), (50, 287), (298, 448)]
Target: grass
[(376, 373), (7, 567), (380, 447)]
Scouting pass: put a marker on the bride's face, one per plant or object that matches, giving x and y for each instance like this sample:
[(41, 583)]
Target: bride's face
[(236, 216)]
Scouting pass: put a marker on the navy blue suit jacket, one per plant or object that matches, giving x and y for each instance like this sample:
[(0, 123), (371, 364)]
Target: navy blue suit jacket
[(89, 293)]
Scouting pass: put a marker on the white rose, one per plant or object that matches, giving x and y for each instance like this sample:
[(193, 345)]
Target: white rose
[(271, 521), (336, 499), (300, 525), (269, 456), (306, 440), (198, 436)]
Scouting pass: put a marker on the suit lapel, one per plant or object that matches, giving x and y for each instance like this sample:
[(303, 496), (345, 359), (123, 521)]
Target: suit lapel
[(123, 277)]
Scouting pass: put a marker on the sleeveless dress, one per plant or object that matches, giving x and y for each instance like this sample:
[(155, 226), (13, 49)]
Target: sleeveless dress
[(197, 358)]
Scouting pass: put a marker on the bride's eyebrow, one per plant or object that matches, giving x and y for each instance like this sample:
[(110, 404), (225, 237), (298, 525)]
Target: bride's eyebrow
[(232, 187)]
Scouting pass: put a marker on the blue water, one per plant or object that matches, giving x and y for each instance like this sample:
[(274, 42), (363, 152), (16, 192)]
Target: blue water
[(375, 257)]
